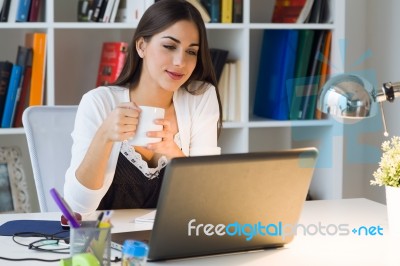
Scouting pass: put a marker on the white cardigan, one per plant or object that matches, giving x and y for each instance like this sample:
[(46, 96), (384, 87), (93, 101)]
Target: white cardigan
[(197, 117)]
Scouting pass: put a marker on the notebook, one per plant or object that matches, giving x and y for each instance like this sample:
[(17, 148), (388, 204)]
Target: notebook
[(227, 203)]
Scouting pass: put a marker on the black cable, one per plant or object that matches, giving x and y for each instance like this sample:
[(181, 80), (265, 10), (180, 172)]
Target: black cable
[(25, 259), (34, 246), (116, 259)]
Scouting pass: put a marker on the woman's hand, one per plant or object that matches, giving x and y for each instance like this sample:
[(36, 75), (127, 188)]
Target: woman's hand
[(121, 123), (167, 145)]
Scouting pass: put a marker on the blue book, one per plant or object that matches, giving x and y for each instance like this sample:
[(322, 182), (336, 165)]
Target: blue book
[(23, 10), (12, 95), (277, 61), (213, 8)]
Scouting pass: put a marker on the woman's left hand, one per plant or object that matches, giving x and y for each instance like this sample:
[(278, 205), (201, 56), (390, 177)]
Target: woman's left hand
[(167, 145)]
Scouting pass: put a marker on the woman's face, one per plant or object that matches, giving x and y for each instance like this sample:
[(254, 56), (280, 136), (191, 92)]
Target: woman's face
[(170, 56)]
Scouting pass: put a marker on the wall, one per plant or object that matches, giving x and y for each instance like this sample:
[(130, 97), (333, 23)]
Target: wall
[(371, 31), (383, 38)]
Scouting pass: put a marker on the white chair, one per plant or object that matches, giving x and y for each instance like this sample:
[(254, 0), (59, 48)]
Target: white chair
[(48, 133)]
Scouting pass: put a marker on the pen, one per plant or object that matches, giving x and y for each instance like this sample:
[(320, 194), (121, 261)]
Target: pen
[(99, 219), (65, 209), (107, 216)]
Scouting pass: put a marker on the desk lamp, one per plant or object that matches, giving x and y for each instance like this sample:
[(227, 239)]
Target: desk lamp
[(352, 96)]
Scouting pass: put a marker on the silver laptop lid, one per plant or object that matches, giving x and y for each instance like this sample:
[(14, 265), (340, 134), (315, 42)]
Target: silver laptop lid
[(232, 202)]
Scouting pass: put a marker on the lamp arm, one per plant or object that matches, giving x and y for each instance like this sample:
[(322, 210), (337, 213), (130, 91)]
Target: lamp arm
[(389, 92)]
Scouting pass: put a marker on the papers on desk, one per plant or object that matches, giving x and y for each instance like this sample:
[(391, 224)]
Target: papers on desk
[(146, 219)]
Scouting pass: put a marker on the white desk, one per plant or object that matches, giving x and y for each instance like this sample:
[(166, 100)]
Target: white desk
[(308, 250)]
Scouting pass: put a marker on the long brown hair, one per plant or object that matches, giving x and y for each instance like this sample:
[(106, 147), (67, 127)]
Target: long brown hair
[(158, 17)]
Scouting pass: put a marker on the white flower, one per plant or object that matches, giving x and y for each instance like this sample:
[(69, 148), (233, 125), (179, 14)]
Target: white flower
[(388, 173)]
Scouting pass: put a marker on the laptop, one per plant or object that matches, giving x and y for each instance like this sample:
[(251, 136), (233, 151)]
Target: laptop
[(228, 203)]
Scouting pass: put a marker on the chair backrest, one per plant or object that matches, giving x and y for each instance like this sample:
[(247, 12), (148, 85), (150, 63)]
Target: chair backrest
[(48, 133)]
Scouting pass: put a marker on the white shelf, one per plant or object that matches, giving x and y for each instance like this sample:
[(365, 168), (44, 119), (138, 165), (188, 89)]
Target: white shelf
[(266, 26), (12, 131), (92, 25), (21, 25), (290, 123)]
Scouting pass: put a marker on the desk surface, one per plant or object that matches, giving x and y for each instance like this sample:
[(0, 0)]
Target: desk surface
[(325, 247)]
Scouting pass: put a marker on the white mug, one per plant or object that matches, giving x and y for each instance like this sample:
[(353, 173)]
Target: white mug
[(146, 123)]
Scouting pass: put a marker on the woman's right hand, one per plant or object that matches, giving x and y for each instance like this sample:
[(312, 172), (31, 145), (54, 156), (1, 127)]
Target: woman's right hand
[(122, 122)]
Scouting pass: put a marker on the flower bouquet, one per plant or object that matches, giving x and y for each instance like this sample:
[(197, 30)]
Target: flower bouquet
[(388, 173)]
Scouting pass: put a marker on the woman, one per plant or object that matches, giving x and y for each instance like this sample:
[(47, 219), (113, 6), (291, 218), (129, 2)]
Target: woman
[(169, 66)]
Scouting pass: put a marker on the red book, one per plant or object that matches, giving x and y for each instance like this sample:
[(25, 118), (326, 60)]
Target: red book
[(113, 55), (34, 10), (287, 11)]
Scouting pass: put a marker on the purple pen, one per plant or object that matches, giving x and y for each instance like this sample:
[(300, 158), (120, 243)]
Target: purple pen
[(65, 209)]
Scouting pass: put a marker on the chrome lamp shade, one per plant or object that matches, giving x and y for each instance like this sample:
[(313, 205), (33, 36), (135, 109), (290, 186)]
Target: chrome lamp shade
[(347, 96)]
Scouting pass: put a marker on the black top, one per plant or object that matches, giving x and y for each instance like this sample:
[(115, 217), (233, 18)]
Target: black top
[(130, 188)]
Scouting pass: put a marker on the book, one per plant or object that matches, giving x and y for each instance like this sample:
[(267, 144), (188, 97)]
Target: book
[(35, 10), (114, 11), (96, 10), (85, 10), (277, 62), (218, 57), (233, 93), (223, 88), (23, 101), (24, 59), (237, 16), (202, 10), (5, 10), (315, 12), (226, 11), (5, 74), (305, 12), (11, 98), (300, 73), (238, 88), (213, 8), (287, 11), (112, 59), (108, 10), (12, 13), (23, 10), (320, 12), (324, 67), (308, 104), (325, 15), (102, 10), (325, 59), (121, 15), (37, 41)]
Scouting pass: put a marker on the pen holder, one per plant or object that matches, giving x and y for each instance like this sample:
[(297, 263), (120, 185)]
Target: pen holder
[(91, 239)]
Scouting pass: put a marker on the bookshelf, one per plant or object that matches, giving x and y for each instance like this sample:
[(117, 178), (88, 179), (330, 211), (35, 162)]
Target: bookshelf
[(73, 51)]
